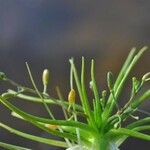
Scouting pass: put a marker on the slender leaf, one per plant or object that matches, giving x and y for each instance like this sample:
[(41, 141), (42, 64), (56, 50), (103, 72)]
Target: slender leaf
[(131, 133), (96, 95), (46, 121), (139, 123), (131, 63), (12, 147), (141, 99), (141, 128), (34, 138), (86, 102), (78, 84)]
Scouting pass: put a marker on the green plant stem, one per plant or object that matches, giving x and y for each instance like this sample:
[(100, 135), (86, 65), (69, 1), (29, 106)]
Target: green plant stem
[(12, 147), (129, 64), (36, 89), (98, 107), (85, 97), (45, 104), (35, 121), (139, 123), (74, 111), (135, 104), (47, 100), (47, 121), (20, 86), (83, 100), (118, 81), (141, 128), (62, 102), (141, 99), (34, 138), (132, 97), (131, 133)]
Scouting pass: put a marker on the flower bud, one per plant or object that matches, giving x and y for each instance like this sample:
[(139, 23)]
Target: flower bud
[(134, 79), (104, 93), (146, 77), (45, 77), (71, 97)]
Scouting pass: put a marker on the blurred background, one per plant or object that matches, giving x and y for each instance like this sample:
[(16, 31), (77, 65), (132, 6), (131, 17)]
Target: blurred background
[(46, 33)]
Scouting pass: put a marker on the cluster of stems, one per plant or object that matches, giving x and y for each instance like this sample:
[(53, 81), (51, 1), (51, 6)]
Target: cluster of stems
[(96, 125)]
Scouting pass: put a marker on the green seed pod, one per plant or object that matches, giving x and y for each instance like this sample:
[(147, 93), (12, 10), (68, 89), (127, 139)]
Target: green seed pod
[(110, 81), (104, 93), (45, 77), (71, 97), (134, 79)]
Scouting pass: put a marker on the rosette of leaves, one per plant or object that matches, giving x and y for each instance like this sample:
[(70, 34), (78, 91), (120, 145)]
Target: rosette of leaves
[(103, 126)]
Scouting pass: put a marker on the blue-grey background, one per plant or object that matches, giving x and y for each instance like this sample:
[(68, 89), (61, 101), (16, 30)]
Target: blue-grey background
[(46, 33)]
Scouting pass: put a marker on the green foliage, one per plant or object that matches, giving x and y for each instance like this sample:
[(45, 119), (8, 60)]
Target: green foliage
[(103, 126)]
